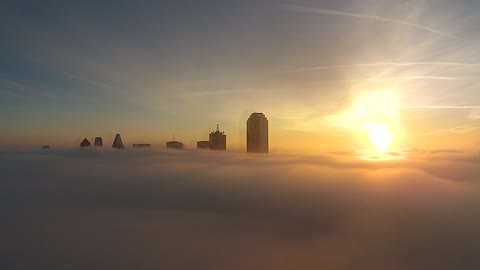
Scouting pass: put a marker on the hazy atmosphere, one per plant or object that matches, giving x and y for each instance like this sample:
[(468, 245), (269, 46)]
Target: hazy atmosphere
[(262, 134)]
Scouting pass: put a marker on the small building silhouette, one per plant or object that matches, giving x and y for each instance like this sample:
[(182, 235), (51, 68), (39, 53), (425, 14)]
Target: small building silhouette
[(46, 146), (98, 142), (85, 143), (203, 144), (175, 144), (141, 145), (218, 140), (117, 143), (257, 133)]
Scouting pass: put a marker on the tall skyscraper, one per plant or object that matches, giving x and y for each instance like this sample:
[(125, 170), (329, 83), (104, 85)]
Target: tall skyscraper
[(257, 133), (218, 140)]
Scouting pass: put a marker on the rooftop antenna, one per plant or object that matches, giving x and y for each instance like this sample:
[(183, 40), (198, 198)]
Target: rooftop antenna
[(218, 128)]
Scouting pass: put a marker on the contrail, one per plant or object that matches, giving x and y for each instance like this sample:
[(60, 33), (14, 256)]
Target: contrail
[(362, 16), (380, 64)]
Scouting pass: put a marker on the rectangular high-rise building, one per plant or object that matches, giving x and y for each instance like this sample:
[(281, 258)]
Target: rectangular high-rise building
[(257, 133)]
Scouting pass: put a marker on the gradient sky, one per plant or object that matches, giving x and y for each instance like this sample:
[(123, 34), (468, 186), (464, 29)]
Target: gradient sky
[(151, 70)]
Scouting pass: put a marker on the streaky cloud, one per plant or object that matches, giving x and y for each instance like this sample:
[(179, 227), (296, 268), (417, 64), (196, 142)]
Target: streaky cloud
[(475, 114), (310, 10), (459, 129), (439, 107), (411, 78), (380, 64), (446, 151), (21, 90), (218, 92)]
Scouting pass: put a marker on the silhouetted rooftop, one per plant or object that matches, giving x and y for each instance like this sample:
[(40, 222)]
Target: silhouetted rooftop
[(141, 145), (117, 143), (175, 144), (98, 141), (85, 143)]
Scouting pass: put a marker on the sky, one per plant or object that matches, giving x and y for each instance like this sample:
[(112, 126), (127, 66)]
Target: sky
[(160, 209), (323, 72)]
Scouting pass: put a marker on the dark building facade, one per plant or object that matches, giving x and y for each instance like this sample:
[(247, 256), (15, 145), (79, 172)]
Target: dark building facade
[(141, 145), (85, 143), (203, 145), (175, 145), (218, 140), (117, 143), (98, 142), (257, 133)]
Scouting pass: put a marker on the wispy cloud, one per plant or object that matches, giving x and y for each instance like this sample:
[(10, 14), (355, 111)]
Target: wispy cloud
[(381, 64), (475, 114), (112, 89), (363, 16), (122, 91), (446, 151), (218, 92), (459, 129), (440, 107), (410, 78), (11, 88), (394, 79), (22, 90)]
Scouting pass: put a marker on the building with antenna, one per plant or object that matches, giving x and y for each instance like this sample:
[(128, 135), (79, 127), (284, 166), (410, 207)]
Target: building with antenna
[(257, 133), (218, 140), (174, 144)]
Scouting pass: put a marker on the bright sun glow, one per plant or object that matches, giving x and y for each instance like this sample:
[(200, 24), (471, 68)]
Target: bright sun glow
[(373, 120), (379, 135)]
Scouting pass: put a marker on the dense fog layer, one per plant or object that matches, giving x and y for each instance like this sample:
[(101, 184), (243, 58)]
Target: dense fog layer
[(159, 209)]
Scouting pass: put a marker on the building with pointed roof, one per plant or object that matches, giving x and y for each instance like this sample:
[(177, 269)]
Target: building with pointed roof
[(85, 143), (117, 143)]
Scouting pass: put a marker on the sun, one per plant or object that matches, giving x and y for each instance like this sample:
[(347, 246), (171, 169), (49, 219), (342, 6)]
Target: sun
[(379, 135)]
